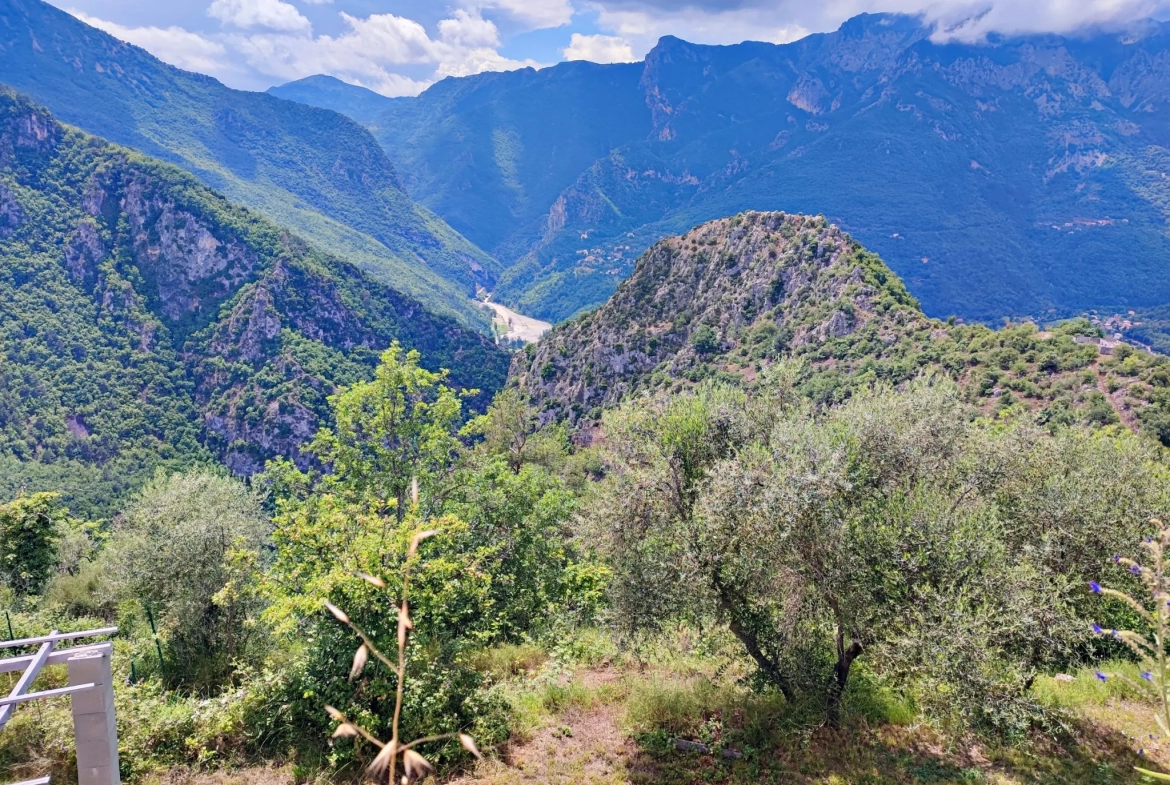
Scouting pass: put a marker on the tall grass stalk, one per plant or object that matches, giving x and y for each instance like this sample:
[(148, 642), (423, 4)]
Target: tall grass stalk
[(385, 764), (1150, 647)]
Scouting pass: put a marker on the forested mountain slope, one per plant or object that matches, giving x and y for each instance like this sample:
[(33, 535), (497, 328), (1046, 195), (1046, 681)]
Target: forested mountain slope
[(314, 171), (1020, 176), (145, 320), (732, 297), (329, 92)]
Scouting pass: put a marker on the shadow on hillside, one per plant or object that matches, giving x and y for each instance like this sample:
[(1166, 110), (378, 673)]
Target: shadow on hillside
[(889, 755)]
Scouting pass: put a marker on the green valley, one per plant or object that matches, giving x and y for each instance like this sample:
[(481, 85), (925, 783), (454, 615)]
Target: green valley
[(760, 414), (1021, 176)]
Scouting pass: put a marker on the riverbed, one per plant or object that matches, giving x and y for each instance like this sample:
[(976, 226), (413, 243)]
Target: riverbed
[(520, 327)]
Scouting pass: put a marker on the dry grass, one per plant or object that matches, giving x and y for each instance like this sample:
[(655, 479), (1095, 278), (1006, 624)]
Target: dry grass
[(255, 775)]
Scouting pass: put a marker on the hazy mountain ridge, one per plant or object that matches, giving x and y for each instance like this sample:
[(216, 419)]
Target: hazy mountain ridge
[(150, 322), (1020, 176), (302, 167)]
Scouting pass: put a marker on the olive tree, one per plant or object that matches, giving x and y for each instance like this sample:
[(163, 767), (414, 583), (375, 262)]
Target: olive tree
[(189, 546), (893, 527)]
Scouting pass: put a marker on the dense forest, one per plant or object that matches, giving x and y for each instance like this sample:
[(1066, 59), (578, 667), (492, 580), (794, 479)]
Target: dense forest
[(303, 168)]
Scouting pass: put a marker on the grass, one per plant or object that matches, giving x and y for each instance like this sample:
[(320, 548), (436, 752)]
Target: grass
[(617, 721), (586, 714)]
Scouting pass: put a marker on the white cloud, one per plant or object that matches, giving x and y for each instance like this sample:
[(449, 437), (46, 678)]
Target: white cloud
[(273, 14), (372, 51), (642, 22), (972, 21), (599, 49), (532, 14), (468, 31), (172, 45)]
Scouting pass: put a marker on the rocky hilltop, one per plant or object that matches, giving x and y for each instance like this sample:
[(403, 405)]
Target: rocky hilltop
[(148, 320), (772, 283), (733, 296)]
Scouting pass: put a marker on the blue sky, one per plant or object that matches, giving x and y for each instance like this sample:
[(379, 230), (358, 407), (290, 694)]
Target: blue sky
[(399, 47)]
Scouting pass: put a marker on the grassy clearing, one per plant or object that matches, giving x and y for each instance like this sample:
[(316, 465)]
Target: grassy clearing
[(618, 721)]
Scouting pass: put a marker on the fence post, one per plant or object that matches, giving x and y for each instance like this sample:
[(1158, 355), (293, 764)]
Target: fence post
[(93, 719)]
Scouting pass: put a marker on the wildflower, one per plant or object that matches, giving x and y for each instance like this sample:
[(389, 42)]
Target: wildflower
[(1135, 569), (1116, 559), (1097, 629), (1147, 676), (1094, 587), (1101, 676)]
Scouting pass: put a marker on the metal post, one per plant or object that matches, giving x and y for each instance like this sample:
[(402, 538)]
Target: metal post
[(94, 726)]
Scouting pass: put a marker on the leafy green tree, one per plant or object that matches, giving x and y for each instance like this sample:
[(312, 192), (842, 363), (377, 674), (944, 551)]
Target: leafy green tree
[(511, 429), (705, 340), (501, 564), (390, 432), (893, 527), (190, 546), (30, 527)]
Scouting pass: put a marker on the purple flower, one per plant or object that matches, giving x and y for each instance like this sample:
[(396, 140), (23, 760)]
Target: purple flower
[(1135, 569), (1097, 629), (1094, 587), (1147, 676), (1101, 676), (1116, 559), (1141, 752)]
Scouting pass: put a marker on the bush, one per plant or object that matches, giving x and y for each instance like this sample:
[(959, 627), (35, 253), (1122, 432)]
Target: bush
[(189, 547), (30, 528), (705, 340)]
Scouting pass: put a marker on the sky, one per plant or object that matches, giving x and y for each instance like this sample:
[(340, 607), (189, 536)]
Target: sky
[(400, 47)]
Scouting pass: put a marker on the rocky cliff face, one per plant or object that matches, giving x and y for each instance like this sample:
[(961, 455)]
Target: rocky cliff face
[(171, 323)]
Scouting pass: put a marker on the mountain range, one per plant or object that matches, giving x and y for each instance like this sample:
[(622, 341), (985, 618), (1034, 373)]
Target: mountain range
[(149, 322), (1008, 177), (317, 171)]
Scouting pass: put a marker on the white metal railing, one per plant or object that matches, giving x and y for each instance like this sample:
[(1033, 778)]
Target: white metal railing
[(91, 691), (57, 637)]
